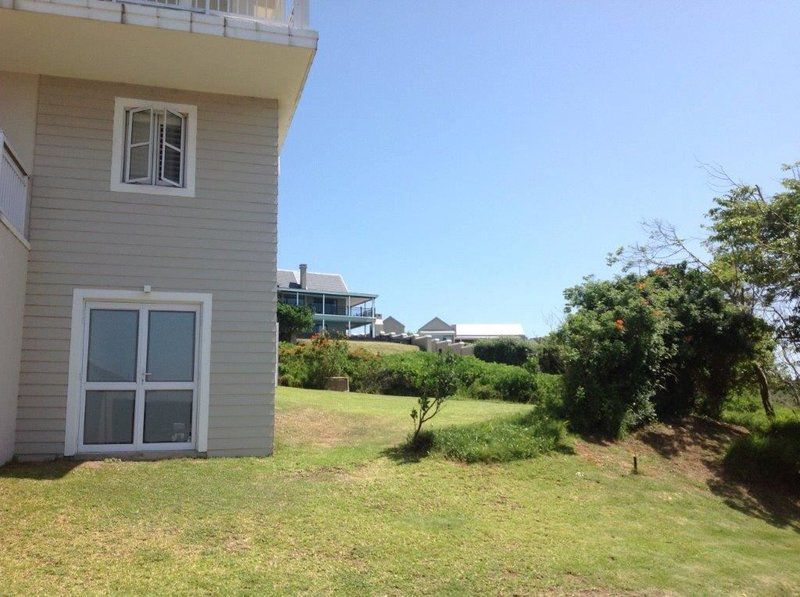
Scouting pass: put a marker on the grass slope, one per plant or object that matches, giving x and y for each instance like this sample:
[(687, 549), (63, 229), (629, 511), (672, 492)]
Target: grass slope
[(331, 513)]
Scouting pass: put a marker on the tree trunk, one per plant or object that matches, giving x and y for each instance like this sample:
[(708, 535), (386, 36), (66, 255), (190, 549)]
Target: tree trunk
[(763, 387)]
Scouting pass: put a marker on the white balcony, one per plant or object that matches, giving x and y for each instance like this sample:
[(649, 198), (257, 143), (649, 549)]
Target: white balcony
[(255, 48), (13, 188), (278, 12)]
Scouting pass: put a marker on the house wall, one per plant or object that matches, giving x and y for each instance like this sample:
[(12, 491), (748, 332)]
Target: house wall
[(222, 241), (18, 93), (13, 268)]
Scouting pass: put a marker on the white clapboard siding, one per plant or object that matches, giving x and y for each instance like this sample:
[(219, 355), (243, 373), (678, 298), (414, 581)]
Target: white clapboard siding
[(222, 241)]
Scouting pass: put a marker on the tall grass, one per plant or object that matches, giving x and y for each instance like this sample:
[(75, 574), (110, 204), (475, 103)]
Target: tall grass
[(501, 439)]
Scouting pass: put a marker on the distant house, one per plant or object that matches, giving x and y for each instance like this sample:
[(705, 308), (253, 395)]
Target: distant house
[(438, 328), (470, 332), (389, 325), (335, 308)]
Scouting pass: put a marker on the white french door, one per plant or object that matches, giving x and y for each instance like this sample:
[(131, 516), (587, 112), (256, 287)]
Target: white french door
[(139, 377)]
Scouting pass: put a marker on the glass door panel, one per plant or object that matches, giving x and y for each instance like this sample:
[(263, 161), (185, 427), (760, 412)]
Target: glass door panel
[(170, 346), (113, 339), (168, 416), (169, 380), (108, 417)]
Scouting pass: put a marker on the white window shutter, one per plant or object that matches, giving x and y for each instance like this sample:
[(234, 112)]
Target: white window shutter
[(172, 134)]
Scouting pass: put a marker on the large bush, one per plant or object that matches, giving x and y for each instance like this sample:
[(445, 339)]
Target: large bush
[(712, 343), (614, 338), (667, 342), (509, 351)]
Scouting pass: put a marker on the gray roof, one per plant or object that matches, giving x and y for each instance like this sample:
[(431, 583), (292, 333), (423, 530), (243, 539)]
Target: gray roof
[(436, 325), (314, 281)]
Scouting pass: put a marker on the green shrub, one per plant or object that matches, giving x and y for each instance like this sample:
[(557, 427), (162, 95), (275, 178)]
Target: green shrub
[(614, 355), (289, 380), (668, 342), (550, 354), (292, 365), (499, 440), (550, 390), (404, 374), (481, 390), (509, 351), (293, 320), (771, 456), (514, 384)]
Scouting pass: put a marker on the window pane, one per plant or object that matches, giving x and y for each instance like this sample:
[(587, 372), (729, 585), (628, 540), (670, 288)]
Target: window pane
[(113, 341), (139, 167), (108, 417), (168, 416), (170, 346), (140, 127)]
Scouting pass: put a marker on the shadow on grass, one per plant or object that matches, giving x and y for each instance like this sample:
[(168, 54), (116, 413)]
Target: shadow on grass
[(38, 471), (696, 434), (700, 444), (775, 504), (411, 451)]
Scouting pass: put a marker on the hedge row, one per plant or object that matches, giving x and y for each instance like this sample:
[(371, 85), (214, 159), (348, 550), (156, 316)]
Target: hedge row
[(403, 374)]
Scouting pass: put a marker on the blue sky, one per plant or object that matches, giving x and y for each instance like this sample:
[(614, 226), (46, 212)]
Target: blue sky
[(472, 159)]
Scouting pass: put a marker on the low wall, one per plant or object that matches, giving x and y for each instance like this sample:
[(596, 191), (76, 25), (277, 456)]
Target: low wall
[(13, 273), (428, 343)]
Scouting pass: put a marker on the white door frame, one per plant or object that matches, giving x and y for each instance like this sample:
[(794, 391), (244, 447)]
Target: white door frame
[(80, 299)]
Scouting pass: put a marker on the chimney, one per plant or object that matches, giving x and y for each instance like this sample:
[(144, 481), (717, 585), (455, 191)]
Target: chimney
[(303, 276)]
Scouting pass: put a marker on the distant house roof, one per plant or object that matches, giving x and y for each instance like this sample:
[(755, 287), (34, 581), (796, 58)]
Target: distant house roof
[(288, 278), (392, 325), (436, 325), (475, 331)]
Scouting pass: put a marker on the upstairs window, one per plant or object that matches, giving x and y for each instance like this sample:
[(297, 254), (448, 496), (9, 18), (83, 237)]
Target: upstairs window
[(154, 145)]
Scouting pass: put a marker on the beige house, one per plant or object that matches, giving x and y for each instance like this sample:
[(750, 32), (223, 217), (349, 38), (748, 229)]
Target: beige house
[(138, 218)]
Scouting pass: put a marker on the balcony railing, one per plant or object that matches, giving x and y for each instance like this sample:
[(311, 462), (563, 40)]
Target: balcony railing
[(13, 187), (343, 311), (268, 11), (357, 311)]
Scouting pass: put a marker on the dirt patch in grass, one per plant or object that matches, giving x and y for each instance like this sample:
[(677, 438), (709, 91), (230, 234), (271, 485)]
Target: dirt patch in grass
[(692, 447)]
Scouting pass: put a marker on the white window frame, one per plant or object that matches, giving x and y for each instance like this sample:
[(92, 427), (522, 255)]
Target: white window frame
[(118, 150), (81, 298)]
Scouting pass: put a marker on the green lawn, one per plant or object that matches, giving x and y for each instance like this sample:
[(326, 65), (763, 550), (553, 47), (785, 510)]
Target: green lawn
[(381, 348), (332, 513)]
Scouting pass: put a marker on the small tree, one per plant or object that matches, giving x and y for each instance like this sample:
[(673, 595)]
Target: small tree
[(440, 382), (293, 320)]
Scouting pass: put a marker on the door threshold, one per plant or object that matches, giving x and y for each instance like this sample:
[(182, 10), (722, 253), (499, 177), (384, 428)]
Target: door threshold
[(142, 455)]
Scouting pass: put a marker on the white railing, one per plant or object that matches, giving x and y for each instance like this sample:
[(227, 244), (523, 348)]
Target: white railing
[(13, 187), (268, 11)]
